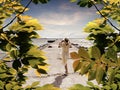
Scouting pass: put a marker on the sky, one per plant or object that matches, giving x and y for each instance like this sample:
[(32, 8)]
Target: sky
[(61, 18)]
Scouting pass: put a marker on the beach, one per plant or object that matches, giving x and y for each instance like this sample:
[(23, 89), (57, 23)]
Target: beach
[(56, 68)]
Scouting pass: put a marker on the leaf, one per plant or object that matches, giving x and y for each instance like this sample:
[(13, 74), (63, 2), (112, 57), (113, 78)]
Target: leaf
[(16, 87), (83, 3), (28, 26), (74, 55), (35, 84), (44, 1), (114, 1), (25, 61), (8, 86), (35, 1), (92, 74), (3, 75), (8, 47), (14, 53), (111, 54), (77, 65), (83, 53), (24, 18), (85, 67), (79, 87), (117, 76), (45, 67), (106, 87), (48, 87), (2, 70), (95, 29), (90, 84), (42, 71), (94, 52), (73, 0), (112, 73), (35, 61), (1, 85), (12, 71), (34, 51), (114, 86), (16, 64), (99, 74)]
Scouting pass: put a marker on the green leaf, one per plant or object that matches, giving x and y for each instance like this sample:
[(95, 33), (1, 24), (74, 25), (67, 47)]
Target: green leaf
[(100, 73), (90, 84), (111, 54), (44, 1), (42, 71), (35, 1), (8, 86), (25, 60), (4, 75), (35, 61), (2, 70), (112, 73), (1, 85), (35, 84), (83, 3), (94, 52), (85, 67), (114, 86), (14, 53), (8, 47), (83, 53), (92, 74), (48, 87), (95, 29), (12, 71), (117, 76), (34, 51), (16, 87), (106, 87), (73, 0), (79, 87), (16, 64)]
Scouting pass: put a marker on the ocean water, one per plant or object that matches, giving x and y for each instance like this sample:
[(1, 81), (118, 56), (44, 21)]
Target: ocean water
[(43, 41), (79, 41), (40, 41)]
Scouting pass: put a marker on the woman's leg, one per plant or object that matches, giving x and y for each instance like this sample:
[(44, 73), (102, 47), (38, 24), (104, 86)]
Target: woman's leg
[(66, 69)]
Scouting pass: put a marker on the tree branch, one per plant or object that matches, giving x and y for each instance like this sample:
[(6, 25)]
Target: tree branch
[(16, 15), (105, 17), (11, 22)]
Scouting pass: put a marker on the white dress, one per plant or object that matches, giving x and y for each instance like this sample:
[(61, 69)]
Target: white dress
[(65, 51)]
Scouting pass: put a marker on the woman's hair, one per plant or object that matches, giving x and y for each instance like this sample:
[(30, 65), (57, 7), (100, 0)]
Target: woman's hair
[(66, 41)]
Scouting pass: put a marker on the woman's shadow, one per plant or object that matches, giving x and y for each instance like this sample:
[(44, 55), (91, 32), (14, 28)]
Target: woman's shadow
[(58, 80)]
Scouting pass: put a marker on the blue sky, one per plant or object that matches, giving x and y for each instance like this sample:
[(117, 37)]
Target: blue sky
[(60, 18)]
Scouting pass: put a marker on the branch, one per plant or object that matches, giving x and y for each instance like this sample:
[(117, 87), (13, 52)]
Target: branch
[(105, 17), (11, 22), (16, 16)]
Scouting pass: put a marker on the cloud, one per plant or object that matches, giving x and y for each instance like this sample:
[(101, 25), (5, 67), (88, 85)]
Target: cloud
[(54, 18), (65, 20), (68, 6), (65, 16)]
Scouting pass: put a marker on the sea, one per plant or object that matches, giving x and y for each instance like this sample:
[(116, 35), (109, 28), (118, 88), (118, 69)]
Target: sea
[(42, 41), (79, 41)]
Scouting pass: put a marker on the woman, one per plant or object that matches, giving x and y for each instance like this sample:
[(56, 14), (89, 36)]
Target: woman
[(65, 44)]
